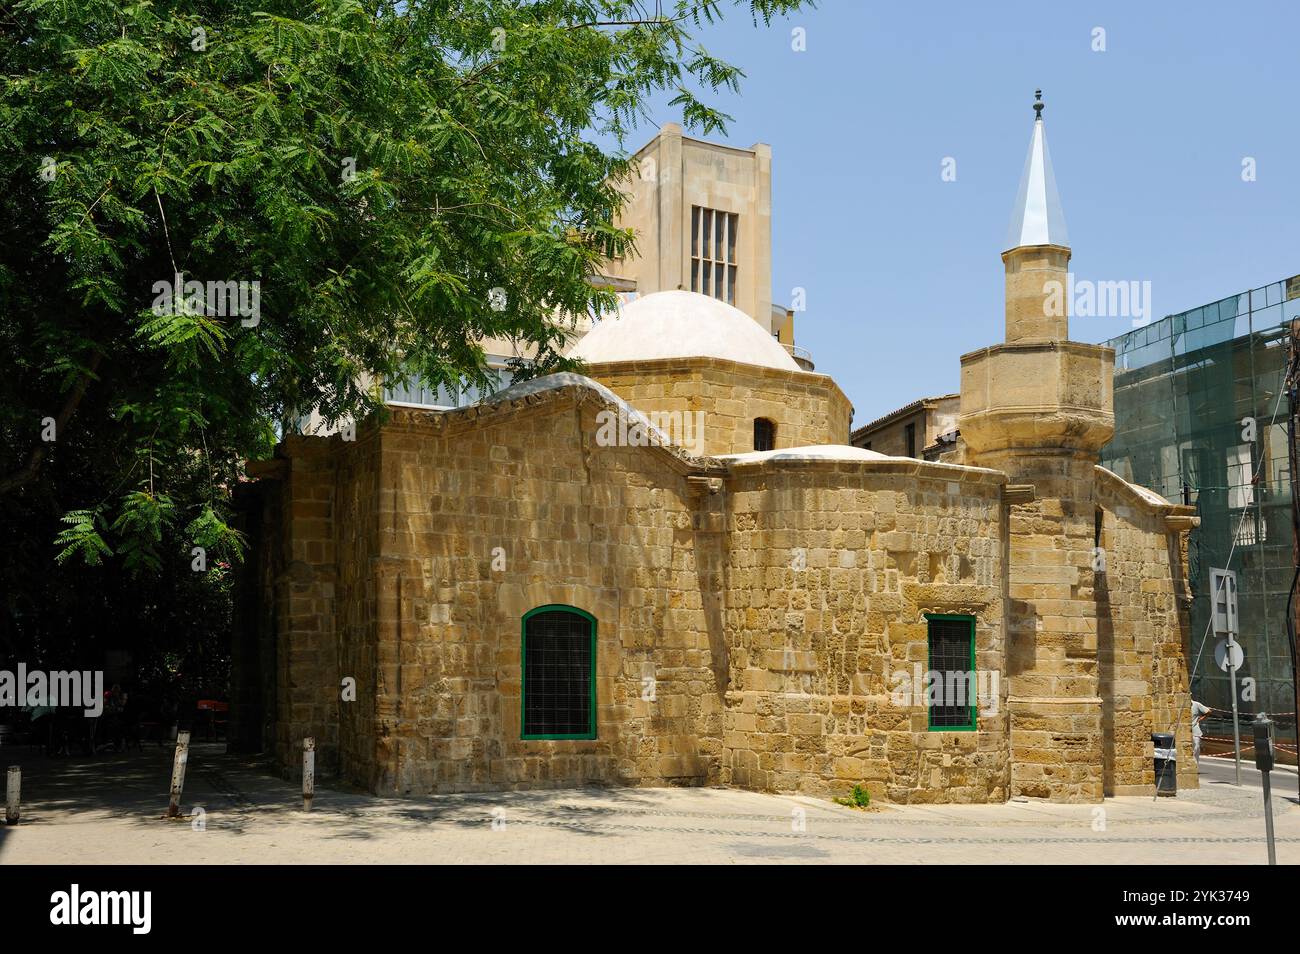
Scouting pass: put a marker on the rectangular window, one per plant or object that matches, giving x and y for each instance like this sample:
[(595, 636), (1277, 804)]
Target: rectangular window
[(416, 391), (952, 690), (910, 431), (559, 674), (1241, 491), (713, 253)]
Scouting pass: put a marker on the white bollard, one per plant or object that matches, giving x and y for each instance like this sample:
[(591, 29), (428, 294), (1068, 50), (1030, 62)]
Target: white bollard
[(178, 773), (13, 794), (308, 772)]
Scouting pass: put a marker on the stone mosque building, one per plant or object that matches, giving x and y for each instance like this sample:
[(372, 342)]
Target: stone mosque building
[(674, 570)]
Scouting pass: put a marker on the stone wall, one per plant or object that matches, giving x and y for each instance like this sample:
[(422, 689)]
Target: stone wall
[(609, 530), (449, 527), (360, 496), (773, 606), (1056, 719), (814, 651), (806, 408), (307, 700), (1142, 632)]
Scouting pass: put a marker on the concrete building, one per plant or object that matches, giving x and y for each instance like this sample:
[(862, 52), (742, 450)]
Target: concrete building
[(703, 217), (702, 212), (925, 429), (677, 571)]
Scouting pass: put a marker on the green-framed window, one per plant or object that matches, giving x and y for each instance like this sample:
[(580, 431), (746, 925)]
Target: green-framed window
[(558, 673), (953, 703)]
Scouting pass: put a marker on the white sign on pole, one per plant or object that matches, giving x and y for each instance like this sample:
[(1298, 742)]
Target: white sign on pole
[(1223, 599), (1222, 655)]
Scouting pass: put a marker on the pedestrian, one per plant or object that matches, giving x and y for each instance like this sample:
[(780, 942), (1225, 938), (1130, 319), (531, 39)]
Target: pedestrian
[(1199, 712)]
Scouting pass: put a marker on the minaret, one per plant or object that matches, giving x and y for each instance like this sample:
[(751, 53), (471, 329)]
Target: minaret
[(1039, 407)]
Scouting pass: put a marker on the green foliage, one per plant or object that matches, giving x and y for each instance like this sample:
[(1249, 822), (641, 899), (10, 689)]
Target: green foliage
[(376, 168), (858, 798), (140, 524), (81, 537), (210, 532)]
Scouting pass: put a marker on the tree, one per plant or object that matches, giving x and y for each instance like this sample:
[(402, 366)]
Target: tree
[(218, 215)]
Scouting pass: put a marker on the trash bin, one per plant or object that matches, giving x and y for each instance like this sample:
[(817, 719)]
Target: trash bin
[(1166, 762)]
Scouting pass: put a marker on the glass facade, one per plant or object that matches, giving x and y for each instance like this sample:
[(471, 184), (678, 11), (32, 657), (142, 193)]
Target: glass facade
[(1200, 417)]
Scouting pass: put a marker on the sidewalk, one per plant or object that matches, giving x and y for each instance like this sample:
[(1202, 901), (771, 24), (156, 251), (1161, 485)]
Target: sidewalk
[(109, 810)]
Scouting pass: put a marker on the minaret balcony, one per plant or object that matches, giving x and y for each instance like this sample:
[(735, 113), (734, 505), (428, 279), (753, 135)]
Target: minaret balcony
[(1037, 395)]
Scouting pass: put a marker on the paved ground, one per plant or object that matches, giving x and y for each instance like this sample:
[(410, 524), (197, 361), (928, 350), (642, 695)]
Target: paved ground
[(109, 810), (1220, 769)]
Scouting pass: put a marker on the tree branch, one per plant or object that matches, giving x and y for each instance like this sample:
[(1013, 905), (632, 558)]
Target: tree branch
[(34, 459)]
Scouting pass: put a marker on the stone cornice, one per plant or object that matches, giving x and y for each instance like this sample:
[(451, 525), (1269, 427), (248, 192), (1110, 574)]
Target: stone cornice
[(653, 365), (545, 394), (1081, 348), (885, 466), (1177, 517)]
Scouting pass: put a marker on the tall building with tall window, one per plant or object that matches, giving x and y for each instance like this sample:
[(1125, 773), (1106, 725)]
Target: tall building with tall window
[(702, 214), (1201, 417)]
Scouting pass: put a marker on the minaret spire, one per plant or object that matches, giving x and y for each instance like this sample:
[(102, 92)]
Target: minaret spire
[(1037, 218)]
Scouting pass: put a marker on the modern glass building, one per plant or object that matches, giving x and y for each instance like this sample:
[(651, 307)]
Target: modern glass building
[(1201, 417)]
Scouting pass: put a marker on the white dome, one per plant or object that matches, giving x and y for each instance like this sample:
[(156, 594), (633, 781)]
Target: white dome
[(837, 452), (681, 324)]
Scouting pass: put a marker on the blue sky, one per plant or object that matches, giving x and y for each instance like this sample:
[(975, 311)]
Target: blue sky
[(903, 270)]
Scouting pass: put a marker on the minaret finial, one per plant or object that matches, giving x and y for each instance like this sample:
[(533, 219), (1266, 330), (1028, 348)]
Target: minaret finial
[(1037, 218)]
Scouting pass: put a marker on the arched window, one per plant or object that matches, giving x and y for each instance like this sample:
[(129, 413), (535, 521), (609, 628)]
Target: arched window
[(764, 434), (558, 660)]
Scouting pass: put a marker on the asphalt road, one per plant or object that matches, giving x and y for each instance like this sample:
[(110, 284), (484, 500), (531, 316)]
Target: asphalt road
[(1219, 770)]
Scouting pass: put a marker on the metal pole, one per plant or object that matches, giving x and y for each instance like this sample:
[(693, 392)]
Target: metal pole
[(1293, 637), (178, 773), (1268, 820), (13, 794), (1236, 724), (308, 772), (1263, 730)]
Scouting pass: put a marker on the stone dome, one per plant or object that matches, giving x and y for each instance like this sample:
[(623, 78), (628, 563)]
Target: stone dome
[(681, 324)]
